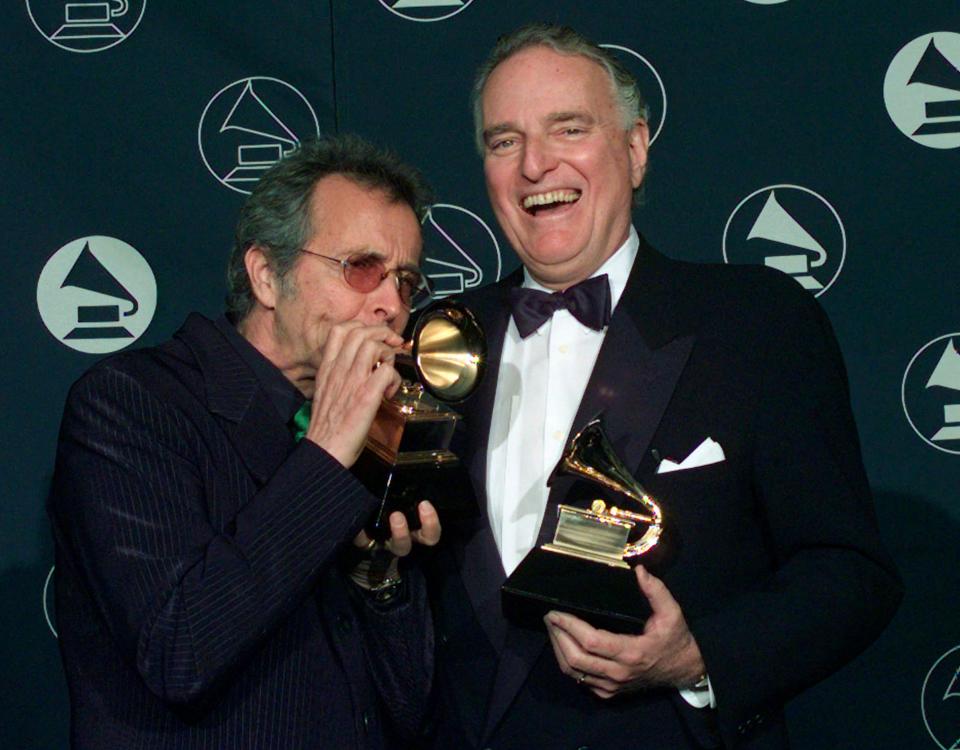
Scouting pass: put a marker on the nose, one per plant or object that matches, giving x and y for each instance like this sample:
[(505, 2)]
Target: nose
[(385, 300), (537, 159)]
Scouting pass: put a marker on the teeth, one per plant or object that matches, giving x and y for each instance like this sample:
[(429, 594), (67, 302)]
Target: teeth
[(554, 196)]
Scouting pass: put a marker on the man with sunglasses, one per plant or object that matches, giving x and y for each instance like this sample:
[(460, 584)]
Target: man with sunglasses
[(214, 585)]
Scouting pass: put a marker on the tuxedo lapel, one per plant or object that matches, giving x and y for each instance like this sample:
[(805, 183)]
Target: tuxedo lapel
[(646, 347)]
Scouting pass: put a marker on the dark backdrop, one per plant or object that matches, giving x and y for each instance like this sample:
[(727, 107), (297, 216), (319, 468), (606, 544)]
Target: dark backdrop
[(818, 137)]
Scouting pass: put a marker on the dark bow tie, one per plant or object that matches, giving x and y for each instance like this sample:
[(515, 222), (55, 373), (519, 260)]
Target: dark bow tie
[(588, 302)]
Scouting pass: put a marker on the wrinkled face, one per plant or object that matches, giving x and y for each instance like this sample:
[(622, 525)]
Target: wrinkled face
[(347, 221), (560, 165)]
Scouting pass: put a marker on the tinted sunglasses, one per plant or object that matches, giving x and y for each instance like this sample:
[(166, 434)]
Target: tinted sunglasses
[(364, 273)]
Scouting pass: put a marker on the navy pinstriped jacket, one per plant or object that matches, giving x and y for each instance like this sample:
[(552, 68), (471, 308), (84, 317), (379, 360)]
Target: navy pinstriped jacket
[(199, 600)]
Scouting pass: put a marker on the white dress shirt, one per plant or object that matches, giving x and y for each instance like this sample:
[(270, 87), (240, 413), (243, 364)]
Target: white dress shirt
[(540, 385)]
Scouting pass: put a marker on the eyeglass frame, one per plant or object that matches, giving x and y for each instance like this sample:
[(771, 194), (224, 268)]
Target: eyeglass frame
[(395, 272)]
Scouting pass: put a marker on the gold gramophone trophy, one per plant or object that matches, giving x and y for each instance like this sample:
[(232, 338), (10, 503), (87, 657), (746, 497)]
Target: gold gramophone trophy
[(585, 569), (407, 457)]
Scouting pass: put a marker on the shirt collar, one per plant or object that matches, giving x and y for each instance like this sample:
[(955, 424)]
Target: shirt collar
[(284, 396), (617, 267)]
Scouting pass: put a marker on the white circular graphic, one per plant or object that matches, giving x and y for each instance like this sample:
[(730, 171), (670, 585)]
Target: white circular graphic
[(650, 84), (930, 393), (425, 11), (248, 125), (922, 90), (940, 700), (460, 252), (86, 26), (97, 294), (790, 228), (48, 602)]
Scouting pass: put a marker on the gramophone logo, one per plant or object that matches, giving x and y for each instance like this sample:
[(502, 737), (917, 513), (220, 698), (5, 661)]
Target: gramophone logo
[(48, 602), (922, 90), (84, 26), (930, 393), (792, 229), (425, 10), (459, 250), (649, 82), (97, 294), (940, 700), (249, 125)]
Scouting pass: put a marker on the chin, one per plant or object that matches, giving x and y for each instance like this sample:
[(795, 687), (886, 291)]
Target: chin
[(550, 258)]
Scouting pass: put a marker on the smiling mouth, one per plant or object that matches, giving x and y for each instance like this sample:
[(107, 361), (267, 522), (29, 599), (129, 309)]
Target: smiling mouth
[(541, 202)]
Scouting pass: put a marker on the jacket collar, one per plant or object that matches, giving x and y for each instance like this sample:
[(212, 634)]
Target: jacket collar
[(236, 396)]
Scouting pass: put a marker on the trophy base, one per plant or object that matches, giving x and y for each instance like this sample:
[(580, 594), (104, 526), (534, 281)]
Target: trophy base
[(605, 596), (401, 485)]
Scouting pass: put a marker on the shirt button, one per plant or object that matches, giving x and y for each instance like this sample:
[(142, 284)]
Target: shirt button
[(557, 435), (563, 348)]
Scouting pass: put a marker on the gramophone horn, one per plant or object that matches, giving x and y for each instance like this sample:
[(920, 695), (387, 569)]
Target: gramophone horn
[(449, 351), (591, 456)]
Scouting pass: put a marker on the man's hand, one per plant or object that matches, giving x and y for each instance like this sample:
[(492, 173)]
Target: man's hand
[(401, 538), (354, 372), (377, 565), (666, 654)]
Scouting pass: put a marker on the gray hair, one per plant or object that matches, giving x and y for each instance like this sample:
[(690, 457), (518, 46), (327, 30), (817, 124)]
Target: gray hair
[(565, 41), (276, 216)]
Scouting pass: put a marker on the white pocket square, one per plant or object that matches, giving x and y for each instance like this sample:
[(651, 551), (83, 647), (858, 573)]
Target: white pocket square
[(708, 452)]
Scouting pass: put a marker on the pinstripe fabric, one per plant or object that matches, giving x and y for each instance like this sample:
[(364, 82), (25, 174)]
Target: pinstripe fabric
[(199, 603)]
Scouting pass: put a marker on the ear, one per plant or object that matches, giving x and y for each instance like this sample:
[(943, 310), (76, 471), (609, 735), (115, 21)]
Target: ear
[(263, 281), (638, 141)]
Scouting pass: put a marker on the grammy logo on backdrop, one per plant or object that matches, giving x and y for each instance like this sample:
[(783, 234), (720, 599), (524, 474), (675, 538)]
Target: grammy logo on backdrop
[(947, 375), (96, 321), (776, 225), (934, 69)]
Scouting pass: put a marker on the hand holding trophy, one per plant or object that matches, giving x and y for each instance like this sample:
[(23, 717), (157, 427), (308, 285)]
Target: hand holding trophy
[(407, 457)]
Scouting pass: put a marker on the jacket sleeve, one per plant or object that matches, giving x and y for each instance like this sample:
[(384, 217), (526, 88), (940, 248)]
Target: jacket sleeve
[(833, 588), (137, 504)]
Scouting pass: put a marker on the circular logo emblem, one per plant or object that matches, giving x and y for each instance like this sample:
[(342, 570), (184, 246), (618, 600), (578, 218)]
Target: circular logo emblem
[(249, 125), (790, 228), (766, 2), (48, 610), (649, 82), (940, 700), (459, 250), (97, 294), (922, 90), (86, 26), (425, 11), (930, 393)]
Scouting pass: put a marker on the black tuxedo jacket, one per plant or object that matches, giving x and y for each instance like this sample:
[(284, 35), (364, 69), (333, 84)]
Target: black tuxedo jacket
[(198, 599), (773, 554)]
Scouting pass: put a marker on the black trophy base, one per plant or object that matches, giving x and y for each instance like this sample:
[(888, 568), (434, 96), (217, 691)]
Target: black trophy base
[(402, 486), (606, 597)]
